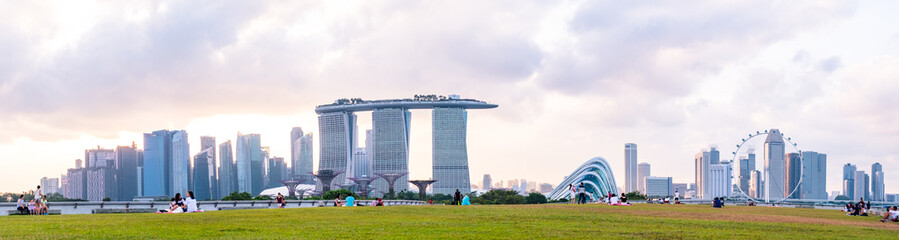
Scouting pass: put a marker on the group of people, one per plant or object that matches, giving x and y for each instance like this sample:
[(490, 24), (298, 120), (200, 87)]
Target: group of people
[(459, 199), (37, 206), (578, 193), (182, 205), (858, 209), (718, 203), (350, 201), (666, 200)]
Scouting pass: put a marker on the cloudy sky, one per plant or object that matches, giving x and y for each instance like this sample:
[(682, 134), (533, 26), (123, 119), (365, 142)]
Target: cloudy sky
[(573, 79)]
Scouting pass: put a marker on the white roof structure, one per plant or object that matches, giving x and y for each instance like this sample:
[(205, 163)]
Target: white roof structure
[(596, 176)]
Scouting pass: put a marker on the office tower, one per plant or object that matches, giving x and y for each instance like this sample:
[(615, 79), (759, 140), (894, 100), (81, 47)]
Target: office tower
[(98, 157), (513, 184), (303, 166), (62, 184), (140, 172), (250, 172), (204, 175), (450, 150), (488, 182), (49, 185), (877, 185), (361, 165), (545, 188), (659, 187), (391, 130), (814, 177), (720, 183), (755, 184), (126, 162), (747, 165), (774, 166), (523, 188), (338, 139), (277, 171), (704, 159), (849, 181), (793, 173), (643, 171), (266, 167), (101, 183), (181, 170), (295, 134), (532, 186), (631, 181), (867, 186), (157, 161), (227, 170), (860, 182), (370, 143)]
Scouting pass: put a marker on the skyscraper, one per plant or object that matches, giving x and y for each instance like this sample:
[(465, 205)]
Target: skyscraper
[(204, 175), (295, 134), (250, 166), (659, 187), (391, 130), (49, 185), (450, 151), (99, 157), (488, 182), (720, 183), (877, 185), (303, 166), (774, 166), (643, 171), (814, 177), (860, 182), (277, 171), (157, 161), (337, 136), (227, 171), (181, 171), (755, 184), (630, 167), (704, 160), (849, 181), (747, 165), (793, 174), (361, 165), (207, 144), (101, 183), (126, 159)]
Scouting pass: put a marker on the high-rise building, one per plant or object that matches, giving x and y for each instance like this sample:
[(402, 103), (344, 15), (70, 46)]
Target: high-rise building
[(391, 130), (704, 160), (75, 182), (126, 158), (814, 175), (545, 188), (49, 185), (659, 186), (99, 157), (643, 171), (101, 183), (295, 134), (867, 186), (877, 185), (488, 182), (227, 170), (720, 183), (250, 164), (631, 182), (775, 173), (755, 184), (793, 174), (523, 188), (181, 171), (849, 181), (337, 136), (277, 171), (361, 165), (302, 168), (747, 165), (450, 150), (680, 188), (860, 182), (204, 175), (156, 180)]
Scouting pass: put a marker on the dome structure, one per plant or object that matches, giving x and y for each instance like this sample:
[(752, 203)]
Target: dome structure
[(596, 176)]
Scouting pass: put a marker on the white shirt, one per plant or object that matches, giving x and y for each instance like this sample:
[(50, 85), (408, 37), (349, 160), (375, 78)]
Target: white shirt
[(894, 214), (676, 195), (38, 194), (191, 204)]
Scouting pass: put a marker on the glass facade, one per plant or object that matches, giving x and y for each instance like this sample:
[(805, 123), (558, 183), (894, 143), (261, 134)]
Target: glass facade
[(227, 171), (157, 158), (450, 150), (596, 176), (338, 139), (775, 172), (631, 182), (180, 163), (250, 168), (202, 185), (391, 147), (126, 173)]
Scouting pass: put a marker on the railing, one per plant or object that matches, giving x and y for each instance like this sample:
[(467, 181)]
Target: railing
[(88, 207)]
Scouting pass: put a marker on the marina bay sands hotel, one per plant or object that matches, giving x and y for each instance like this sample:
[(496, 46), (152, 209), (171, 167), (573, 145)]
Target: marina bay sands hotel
[(387, 144)]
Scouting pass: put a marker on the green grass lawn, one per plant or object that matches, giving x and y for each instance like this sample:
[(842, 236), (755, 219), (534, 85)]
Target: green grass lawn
[(444, 222)]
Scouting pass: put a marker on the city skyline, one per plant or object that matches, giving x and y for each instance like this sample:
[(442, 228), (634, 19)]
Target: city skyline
[(72, 80)]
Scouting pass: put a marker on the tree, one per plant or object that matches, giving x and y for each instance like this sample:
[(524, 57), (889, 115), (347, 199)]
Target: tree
[(407, 195), (235, 196), (842, 197), (262, 197), (535, 198), (635, 196), (342, 192), (500, 196), (107, 199)]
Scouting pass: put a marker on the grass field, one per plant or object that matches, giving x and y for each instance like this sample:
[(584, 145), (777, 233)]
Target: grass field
[(444, 222)]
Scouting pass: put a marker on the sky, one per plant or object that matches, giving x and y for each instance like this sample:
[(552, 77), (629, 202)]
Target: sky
[(573, 79)]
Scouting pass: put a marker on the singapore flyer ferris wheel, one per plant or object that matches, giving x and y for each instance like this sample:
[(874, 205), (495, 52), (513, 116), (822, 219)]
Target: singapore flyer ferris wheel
[(779, 184)]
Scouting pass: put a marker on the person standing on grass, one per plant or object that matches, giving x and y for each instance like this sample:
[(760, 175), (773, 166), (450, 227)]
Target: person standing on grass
[(37, 199), (457, 198), (573, 192), (20, 205), (280, 200)]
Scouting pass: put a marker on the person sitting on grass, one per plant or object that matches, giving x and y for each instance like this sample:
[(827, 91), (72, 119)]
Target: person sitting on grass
[(717, 203), (466, 200), (864, 212), (280, 200), (379, 202), (21, 206), (350, 201), (337, 201), (892, 215), (191, 202), (177, 204)]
